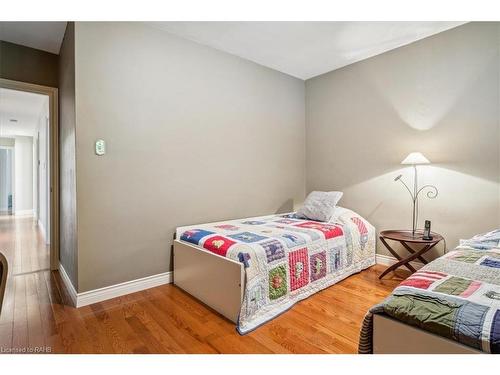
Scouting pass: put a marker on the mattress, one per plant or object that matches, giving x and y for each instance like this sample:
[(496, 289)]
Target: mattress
[(456, 296), (286, 259)]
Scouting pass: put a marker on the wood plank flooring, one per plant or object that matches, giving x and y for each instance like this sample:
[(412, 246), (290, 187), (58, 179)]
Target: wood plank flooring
[(22, 243), (36, 317)]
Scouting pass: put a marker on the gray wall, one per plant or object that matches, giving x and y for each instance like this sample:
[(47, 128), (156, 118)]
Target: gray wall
[(20, 63), (439, 96), (193, 135), (68, 253)]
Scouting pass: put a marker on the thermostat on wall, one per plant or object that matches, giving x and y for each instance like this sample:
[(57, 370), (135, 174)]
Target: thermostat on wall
[(100, 147)]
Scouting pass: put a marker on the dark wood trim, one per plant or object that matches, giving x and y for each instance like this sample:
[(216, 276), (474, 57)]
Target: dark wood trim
[(404, 237)]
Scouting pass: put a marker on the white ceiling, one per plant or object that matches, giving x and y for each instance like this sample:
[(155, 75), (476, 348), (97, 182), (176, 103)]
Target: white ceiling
[(300, 49), (46, 36), (22, 106), (304, 49)]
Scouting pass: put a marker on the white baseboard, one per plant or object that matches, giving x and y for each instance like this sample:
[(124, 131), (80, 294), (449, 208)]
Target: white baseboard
[(44, 232), (102, 294), (23, 212), (387, 260), (112, 291), (69, 285), (42, 229)]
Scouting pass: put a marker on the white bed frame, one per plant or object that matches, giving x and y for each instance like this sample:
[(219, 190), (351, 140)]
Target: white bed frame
[(394, 337), (217, 281)]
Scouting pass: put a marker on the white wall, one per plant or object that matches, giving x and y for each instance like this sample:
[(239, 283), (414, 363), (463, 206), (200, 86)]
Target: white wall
[(35, 174), (6, 183), (23, 161), (439, 96), (43, 171)]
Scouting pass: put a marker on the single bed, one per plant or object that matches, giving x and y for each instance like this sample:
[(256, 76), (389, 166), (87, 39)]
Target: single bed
[(451, 305), (252, 270)]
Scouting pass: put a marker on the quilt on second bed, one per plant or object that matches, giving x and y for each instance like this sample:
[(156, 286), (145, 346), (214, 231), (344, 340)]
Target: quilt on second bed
[(286, 259), (456, 296)]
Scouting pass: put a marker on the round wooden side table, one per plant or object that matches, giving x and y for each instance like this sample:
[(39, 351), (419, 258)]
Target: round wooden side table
[(405, 237)]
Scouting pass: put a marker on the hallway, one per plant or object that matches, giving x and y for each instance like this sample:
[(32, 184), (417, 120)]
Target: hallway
[(22, 318), (23, 244)]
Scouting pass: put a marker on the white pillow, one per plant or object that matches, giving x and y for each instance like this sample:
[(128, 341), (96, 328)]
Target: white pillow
[(337, 213), (319, 205)]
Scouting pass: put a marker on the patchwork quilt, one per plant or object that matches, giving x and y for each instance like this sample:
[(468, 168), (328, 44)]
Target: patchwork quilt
[(286, 259), (456, 296)]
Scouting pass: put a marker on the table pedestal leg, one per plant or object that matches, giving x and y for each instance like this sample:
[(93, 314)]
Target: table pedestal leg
[(411, 251), (397, 256), (406, 261)]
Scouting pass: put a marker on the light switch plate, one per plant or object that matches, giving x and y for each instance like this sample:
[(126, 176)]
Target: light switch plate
[(100, 147)]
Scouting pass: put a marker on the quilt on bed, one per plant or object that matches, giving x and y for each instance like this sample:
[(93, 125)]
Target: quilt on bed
[(286, 259), (456, 296)]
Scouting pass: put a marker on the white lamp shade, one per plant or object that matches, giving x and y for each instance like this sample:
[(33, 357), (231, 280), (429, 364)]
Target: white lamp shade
[(415, 158)]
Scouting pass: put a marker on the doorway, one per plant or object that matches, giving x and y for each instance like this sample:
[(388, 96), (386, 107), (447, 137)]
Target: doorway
[(28, 176)]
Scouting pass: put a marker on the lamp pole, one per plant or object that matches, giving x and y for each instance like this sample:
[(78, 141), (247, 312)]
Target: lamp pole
[(431, 194), (415, 197)]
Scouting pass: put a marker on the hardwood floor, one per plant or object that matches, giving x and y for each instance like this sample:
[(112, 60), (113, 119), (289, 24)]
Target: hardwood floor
[(23, 244), (36, 317)]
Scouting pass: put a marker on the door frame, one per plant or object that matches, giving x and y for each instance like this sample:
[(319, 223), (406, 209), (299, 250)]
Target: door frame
[(52, 93)]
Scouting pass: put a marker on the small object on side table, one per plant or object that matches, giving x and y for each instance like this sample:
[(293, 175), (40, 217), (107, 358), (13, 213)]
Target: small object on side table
[(427, 231), (405, 237)]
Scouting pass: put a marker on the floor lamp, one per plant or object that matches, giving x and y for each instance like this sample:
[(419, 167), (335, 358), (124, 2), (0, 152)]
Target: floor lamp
[(414, 159)]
